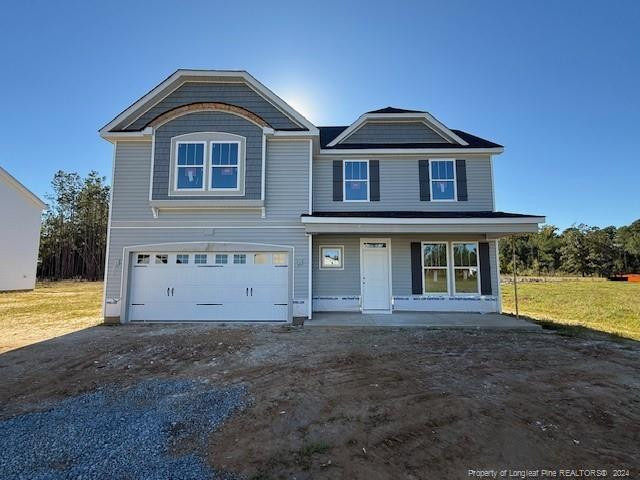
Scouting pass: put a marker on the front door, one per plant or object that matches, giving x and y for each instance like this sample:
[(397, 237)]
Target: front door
[(376, 288)]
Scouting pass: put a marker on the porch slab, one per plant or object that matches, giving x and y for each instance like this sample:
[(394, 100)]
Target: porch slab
[(420, 319)]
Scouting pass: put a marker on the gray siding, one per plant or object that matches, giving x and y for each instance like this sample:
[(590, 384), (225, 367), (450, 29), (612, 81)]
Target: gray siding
[(131, 171), (121, 238), (208, 122), (287, 179), (238, 94), (400, 187), (347, 281), (405, 132)]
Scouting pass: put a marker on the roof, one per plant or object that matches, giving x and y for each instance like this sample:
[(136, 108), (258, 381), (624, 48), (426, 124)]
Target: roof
[(395, 110), (415, 214), (328, 134), (13, 182)]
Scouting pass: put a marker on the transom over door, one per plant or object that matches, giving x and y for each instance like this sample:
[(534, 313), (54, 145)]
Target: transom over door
[(211, 286), (376, 284)]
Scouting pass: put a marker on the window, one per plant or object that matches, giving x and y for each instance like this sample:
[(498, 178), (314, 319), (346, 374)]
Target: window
[(221, 259), (239, 258), (200, 258), (465, 268), (434, 267), (143, 259), (190, 166), (224, 165), (356, 181), (331, 257), (182, 259), (160, 259), (259, 258), (280, 259), (443, 180)]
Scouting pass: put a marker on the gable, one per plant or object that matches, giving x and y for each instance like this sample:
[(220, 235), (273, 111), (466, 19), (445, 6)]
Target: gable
[(10, 184), (394, 133)]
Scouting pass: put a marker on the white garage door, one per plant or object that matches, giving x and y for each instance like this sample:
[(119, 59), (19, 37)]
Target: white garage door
[(224, 286)]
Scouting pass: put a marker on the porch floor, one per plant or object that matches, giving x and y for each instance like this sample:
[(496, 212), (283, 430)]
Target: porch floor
[(420, 319)]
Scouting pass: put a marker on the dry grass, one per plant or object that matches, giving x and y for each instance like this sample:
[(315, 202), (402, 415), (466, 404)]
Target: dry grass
[(51, 310), (611, 307)]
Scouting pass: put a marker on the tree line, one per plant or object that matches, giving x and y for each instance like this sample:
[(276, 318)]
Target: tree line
[(73, 237), (578, 250)]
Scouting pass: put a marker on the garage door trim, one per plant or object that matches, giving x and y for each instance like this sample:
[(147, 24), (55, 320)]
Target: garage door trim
[(128, 252)]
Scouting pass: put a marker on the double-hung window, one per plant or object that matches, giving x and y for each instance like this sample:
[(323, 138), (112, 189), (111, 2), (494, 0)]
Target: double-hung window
[(356, 181), (465, 268), (435, 268), (190, 166), (443, 180), (224, 165)]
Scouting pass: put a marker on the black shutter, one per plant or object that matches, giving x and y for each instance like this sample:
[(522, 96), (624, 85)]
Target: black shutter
[(374, 180), (416, 269), (461, 180), (485, 269), (337, 180), (423, 178)]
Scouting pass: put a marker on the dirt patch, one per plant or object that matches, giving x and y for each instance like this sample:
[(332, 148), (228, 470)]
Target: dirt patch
[(369, 403)]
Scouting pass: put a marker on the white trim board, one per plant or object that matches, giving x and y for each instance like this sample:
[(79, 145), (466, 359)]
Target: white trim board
[(422, 221)]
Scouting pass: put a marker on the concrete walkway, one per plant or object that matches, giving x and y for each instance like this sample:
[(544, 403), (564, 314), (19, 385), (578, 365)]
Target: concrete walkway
[(420, 319)]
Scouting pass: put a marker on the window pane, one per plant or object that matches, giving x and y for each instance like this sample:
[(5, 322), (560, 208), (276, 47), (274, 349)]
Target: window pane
[(435, 254), (239, 258), (190, 154), (182, 258), (162, 258), (435, 280), (331, 257), (200, 258), (466, 280), (465, 255), (260, 258), (442, 190), (233, 154), (190, 177), (143, 259), (356, 171), (355, 190), (224, 177), (442, 170), (280, 258), (221, 259)]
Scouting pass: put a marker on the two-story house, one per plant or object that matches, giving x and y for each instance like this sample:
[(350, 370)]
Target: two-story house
[(228, 205)]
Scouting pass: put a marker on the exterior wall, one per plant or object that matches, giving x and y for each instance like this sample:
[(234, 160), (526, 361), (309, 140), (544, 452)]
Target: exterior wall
[(400, 187), (394, 132), (230, 93), (207, 122), (19, 240), (340, 289)]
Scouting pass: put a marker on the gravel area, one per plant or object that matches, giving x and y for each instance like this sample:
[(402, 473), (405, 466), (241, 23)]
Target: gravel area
[(155, 429)]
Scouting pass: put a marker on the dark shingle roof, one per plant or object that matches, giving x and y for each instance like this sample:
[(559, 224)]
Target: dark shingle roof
[(414, 214), (395, 110)]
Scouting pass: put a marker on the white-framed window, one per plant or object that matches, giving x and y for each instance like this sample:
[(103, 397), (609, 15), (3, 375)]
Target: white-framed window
[(182, 258), (221, 259), (355, 180), (280, 259), (162, 259), (239, 258), (189, 166), (143, 259), (466, 275), (331, 257), (435, 268), (442, 180), (260, 259), (225, 165), (200, 258)]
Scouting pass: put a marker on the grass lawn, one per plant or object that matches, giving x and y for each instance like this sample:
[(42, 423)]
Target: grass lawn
[(612, 307), (52, 309)]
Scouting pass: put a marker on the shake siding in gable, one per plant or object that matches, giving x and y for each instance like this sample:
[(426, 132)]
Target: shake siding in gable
[(397, 132), (400, 188), (238, 94)]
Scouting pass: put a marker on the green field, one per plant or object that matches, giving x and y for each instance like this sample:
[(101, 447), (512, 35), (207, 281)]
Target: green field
[(612, 307)]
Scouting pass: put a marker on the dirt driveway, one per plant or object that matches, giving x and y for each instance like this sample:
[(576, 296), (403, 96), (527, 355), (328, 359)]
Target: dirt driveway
[(369, 403)]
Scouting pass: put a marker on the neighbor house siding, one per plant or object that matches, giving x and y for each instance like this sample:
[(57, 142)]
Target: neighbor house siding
[(385, 132), (238, 94), (400, 187)]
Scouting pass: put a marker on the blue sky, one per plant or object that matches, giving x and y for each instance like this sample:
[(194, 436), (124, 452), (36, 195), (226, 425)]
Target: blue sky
[(557, 83)]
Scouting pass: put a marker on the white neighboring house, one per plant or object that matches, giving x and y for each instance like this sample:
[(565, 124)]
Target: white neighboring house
[(20, 217)]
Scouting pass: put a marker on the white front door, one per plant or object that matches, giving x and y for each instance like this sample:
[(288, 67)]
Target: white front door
[(375, 269)]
